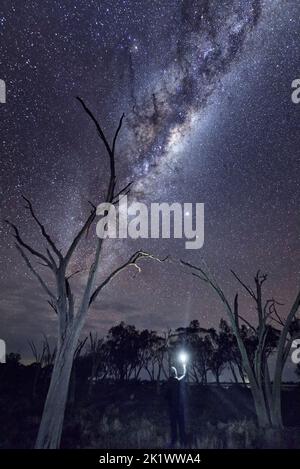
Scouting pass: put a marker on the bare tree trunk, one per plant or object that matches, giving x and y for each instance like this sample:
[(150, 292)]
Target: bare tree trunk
[(276, 414), (267, 398), (275, 406), (260, 408), (72, 386), (62, 301), (261, 411), (282, 354), (50, 430)]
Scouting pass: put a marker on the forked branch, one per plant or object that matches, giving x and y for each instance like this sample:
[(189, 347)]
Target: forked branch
[(132, 261)]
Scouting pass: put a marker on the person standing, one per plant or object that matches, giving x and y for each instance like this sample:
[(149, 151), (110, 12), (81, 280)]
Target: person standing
[(176, 406)]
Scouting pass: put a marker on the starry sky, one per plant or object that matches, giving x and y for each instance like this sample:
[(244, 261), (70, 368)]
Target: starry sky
[(206, 91)]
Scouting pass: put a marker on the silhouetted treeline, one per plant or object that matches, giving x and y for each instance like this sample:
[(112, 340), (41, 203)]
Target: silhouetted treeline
[(117, 387), (127, 353)]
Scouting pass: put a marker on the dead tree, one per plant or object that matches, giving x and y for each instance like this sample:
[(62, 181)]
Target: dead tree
[(266, 392), (71, 317)]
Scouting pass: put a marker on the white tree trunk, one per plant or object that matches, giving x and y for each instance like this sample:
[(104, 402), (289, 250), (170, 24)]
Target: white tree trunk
[(276, 413), (51, 425), (261, 409)]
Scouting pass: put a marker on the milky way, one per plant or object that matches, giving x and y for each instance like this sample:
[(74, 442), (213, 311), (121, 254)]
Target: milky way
[(210, 36), (205, 87)]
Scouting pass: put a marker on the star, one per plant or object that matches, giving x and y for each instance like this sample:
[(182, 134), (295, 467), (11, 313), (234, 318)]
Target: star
[(205, 88)]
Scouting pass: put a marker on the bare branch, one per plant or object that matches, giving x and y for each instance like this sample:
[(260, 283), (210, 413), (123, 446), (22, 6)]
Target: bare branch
[(199, 276), (205, 278), (43, 264), (74, 273), (110, 151), (125, 190), (42, 228), (80, 345), (270, 305), (232, 313), (117, 133), (79, 235), (132, 261), (247, 288), (70, 298), (276, 320), (248, 323), (260, 278), (236, 310), (52, 260), (92, 205), (98, 127), (53, 305), (20, 241), (35, 273)]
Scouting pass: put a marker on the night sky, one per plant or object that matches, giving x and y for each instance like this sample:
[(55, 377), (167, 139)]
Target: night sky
[(206, 91)]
